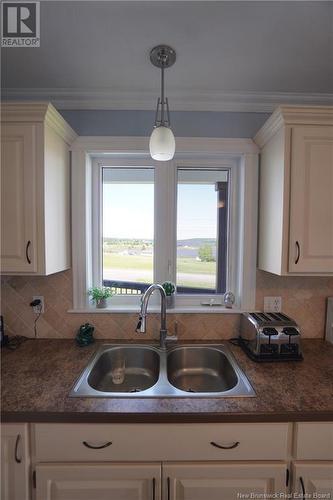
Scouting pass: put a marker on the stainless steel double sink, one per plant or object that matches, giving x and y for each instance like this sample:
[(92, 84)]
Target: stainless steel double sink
[(187, 371)]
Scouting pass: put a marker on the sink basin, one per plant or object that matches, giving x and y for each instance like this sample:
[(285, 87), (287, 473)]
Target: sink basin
[(200, 369), (187, 371), (141, 369)]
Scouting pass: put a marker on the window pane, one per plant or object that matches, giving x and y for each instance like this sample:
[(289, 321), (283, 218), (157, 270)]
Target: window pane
[(202, 216), (128, 228)]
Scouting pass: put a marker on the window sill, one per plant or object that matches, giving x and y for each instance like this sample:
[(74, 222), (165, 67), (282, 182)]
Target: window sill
[(155, 309)]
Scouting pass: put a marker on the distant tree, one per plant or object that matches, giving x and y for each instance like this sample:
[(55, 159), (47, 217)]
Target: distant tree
[(206, 254)]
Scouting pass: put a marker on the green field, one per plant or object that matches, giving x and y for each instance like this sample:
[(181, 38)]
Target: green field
[(118, 265), (145, 262)]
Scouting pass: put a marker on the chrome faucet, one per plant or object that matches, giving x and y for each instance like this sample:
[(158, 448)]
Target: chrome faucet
[(141, 326)]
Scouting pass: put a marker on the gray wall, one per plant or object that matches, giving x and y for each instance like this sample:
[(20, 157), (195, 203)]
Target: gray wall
[(184, 123)]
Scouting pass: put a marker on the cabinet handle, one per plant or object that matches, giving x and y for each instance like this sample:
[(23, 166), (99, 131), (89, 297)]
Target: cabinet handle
[(153, 486), (27, 252), (231, 447), (168, 488), (17, 459), (92, 447), (298, 252), (302, 486)]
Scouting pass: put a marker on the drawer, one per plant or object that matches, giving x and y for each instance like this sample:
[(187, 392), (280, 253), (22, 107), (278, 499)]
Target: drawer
[(160, 442), (314, 441)]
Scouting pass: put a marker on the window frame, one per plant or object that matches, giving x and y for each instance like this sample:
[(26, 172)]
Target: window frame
[(165, 209), (240, 156)]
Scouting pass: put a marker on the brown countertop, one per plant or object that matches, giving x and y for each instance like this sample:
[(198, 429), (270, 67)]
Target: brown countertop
[(37, 377)]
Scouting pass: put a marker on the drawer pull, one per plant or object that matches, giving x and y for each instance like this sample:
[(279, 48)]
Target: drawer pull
[(168, 488), (27, 252), (18, 459), (230, 447), (302, 486), (153, 486), (92, 447), (298, 254)]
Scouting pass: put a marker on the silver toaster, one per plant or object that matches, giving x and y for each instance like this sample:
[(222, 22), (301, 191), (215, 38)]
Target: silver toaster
[(270, 337)]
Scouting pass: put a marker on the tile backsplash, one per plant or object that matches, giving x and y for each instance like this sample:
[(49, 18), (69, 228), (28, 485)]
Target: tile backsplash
[(303, 298)]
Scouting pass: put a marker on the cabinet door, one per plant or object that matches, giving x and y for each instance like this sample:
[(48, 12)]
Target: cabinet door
[(227, 481), (18, 205), (311, 200), (98, 481), (14, 462), (313, 477)]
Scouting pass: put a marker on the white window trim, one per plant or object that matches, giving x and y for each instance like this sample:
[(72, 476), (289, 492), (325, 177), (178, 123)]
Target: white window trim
[(190, 152)]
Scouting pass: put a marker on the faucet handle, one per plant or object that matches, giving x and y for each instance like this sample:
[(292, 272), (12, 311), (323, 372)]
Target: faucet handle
[(173, 337)]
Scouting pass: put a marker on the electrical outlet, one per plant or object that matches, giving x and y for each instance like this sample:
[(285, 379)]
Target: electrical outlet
[(272, 304), (40, 308)]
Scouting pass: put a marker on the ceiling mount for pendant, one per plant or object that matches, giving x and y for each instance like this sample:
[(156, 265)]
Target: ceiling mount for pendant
[(163, 56)]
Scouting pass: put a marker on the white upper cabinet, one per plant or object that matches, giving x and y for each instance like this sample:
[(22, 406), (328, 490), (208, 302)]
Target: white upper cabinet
[(296, 192), (18, 207), (311, 201), (35, 182)]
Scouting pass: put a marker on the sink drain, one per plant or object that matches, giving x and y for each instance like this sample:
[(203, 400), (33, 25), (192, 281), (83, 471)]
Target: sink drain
[(135, 389), (190, 390)]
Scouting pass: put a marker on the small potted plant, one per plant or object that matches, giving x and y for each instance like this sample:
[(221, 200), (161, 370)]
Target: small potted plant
[(169, 289), (99, 295)]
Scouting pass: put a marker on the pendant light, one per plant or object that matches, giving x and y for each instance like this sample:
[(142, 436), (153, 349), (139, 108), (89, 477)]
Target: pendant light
[(162, 141)]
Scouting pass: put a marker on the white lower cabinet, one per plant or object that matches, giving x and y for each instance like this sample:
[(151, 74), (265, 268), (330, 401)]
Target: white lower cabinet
[(169, 481), (313, 478), (166, 462), (98, 481), (227, 481), (15, 466)]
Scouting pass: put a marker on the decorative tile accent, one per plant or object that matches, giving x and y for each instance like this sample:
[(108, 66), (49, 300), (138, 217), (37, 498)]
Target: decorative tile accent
[(303, 298)]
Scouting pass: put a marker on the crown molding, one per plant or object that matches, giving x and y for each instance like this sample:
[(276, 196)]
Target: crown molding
[(43, 112), (293, 115), (95, 145), (180, 100), (59, 125)]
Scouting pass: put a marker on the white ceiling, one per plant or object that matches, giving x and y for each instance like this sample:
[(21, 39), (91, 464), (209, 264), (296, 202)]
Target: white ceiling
[(96, 54)]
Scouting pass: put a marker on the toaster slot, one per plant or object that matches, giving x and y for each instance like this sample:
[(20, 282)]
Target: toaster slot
[(270, 332), (255, 316)]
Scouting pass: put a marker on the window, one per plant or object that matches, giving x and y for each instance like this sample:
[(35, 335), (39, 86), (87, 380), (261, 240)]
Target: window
[(202, 230), (192, 221), (128, 229), (128, 242)]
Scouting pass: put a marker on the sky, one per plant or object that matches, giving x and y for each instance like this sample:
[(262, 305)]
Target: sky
[(128, 211)]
